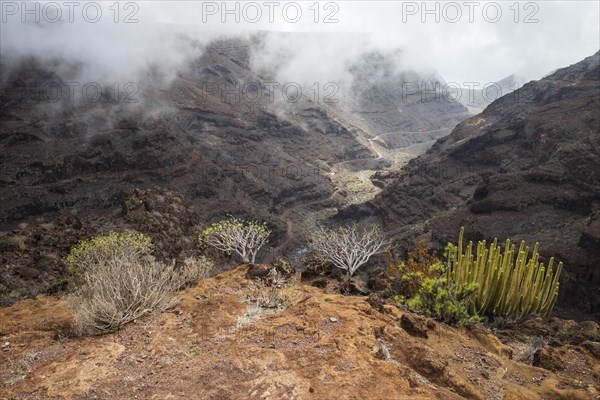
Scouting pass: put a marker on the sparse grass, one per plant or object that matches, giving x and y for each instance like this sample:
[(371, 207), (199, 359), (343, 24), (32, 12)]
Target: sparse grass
[(15, 372), (268, 298), (193, 351), (264, 300), (254, 313)]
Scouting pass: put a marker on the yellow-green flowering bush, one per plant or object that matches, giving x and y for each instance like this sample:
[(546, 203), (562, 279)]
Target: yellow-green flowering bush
[(244, 238), (97, 251)]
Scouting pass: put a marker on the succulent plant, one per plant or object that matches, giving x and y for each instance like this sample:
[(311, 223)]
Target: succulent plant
[(510, 283)]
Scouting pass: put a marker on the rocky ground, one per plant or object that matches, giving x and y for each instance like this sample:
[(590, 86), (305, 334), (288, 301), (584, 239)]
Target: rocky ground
[(217, 344)]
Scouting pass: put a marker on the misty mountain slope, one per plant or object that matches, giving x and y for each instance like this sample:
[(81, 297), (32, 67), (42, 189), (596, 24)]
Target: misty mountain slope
[(527, 168), (218, 133), (477, 98), (185, 137), (378, 91), (394, 103)]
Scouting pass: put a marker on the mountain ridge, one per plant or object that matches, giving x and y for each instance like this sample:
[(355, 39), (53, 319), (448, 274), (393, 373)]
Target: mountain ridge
[(526, 168)]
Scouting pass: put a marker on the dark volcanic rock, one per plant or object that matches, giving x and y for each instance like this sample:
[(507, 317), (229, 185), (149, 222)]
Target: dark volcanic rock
[(32, 255), (549, 358), (258, 271), (284, 267), (166, 217), (527, 168), (32, 259)]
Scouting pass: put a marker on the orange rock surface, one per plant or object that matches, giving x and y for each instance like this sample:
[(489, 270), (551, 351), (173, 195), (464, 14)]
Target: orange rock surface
[(322, 346)]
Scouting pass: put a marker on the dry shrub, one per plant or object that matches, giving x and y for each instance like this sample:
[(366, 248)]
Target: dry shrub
[(271, 296), (195, 269), (348, 247), (120, 291)]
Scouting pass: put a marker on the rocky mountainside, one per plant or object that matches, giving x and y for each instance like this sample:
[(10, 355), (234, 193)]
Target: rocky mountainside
[(215, 149), (218, 147), (218, 343), (528, 168), (218, 138)]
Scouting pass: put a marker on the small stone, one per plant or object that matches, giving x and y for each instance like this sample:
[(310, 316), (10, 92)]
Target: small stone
[(332, 319), (5, 346)]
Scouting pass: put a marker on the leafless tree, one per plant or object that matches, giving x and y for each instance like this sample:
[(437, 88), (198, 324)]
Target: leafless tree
[(348, 247)]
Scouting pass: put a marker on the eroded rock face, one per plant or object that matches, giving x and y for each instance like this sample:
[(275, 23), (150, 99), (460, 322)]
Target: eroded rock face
[(550, 358), (416, 325), (527, 168)]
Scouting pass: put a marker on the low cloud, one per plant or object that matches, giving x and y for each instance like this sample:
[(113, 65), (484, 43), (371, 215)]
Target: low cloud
[(167, 35)]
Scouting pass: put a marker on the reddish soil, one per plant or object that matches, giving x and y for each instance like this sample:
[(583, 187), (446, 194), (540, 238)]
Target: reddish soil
[(321, 346)]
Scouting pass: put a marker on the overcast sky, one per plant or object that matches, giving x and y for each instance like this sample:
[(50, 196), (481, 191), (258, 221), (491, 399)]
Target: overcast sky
[(469, 42)]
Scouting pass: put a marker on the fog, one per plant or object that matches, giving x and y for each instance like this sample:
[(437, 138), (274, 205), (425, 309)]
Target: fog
[(307, 41)]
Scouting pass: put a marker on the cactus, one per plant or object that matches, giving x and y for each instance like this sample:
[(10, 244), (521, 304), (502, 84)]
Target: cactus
[(506, 286)]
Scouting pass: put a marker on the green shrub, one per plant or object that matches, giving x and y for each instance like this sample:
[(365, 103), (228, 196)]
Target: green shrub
[(506, 286), (438, 298), (407, 277), (245, 238), (97, 251)]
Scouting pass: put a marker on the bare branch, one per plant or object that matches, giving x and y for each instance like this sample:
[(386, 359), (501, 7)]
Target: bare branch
[(347, 247)]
